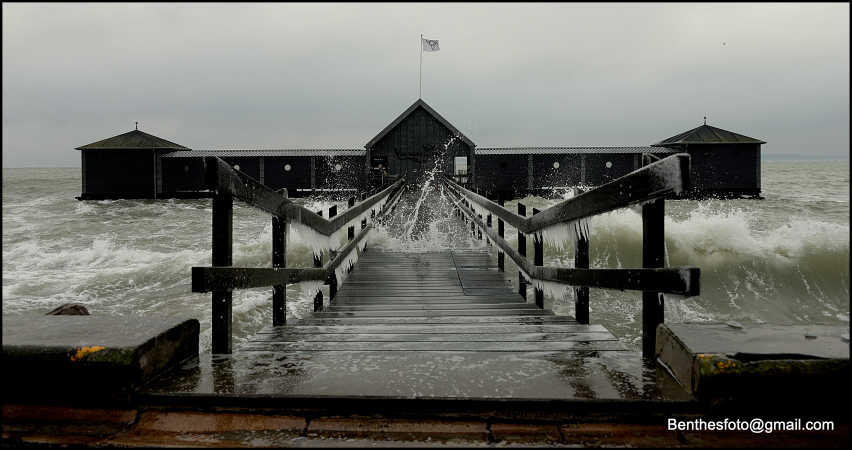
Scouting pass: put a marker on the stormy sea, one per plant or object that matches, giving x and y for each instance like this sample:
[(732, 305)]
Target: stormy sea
[(784, 259)]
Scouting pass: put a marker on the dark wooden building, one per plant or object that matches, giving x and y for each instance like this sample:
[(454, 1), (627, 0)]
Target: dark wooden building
[(300, 171), (723, 163), (418, 141), (125, 166), (510, 171)]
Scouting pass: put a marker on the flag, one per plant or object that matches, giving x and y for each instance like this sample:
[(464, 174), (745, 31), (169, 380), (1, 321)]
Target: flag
[(430, 45)]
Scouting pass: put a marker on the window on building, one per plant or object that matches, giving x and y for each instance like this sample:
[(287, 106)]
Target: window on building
[(460, 165)]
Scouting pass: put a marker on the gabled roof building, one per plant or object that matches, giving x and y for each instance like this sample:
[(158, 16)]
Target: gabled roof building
[(418, 141)]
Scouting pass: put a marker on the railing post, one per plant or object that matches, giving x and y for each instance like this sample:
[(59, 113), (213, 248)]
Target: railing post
[(223, 214), (538, 260), (653, 255), (581, 293), (279, 259), (487, 240), (318, 300), (522, 250), (332, 277), (501, 257)]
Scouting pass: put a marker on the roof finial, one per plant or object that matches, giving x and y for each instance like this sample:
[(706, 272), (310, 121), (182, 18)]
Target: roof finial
[(705, 120), (137, 125)]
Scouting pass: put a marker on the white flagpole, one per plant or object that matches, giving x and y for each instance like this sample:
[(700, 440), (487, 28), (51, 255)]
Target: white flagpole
[(420, 92)]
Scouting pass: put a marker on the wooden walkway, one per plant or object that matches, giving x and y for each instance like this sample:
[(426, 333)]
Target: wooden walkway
[(425, 325)]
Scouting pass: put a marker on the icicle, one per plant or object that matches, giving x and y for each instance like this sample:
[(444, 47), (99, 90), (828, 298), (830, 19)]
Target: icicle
[(306, 235), (311, 287), (556, 291), (342, 271)]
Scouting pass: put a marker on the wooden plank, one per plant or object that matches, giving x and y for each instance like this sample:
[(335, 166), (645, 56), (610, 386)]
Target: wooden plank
[(433, 313), (487, 328), (433, 337), (607, 345), (454, 320)]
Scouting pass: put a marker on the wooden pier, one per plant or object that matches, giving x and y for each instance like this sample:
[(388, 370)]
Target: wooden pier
[(424, 346), (427, 325)]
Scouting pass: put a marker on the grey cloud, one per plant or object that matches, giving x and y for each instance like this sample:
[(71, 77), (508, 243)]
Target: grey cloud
[(333, 75)]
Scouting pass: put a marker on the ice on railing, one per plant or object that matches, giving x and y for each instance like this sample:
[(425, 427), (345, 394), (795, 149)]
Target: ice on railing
[(342, 270), (319, 242), (311, 287), (560, 234), (556, 291), (306, 235)]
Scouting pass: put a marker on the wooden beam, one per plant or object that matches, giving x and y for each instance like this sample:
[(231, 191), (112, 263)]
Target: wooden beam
[(207, 279)]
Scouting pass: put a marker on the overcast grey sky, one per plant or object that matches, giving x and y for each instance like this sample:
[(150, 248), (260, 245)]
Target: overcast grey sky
[(333, 75)]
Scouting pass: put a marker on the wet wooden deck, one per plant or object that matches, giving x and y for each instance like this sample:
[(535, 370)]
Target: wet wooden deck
[(426, 325)]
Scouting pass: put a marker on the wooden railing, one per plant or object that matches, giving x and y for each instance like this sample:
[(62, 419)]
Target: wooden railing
[(227, 184), (647, 186)]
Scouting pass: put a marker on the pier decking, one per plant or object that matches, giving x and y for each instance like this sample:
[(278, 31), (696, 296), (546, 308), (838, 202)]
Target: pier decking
[(426, 325)]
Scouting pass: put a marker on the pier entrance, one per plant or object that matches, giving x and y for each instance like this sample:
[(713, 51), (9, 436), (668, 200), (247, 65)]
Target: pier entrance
[(434, 324)]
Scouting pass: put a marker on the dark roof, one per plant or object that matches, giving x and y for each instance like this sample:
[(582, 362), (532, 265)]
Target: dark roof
[(419, 104), (567, 150), (236, 152), (133, 140), (705, 134)]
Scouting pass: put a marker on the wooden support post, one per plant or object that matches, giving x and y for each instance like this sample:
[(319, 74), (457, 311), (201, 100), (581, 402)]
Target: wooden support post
[(279, 259), (653, 255), (581, 293), (522, 250), (318, 300), (332, 277), (501, 257), (538, 260), (350, 234), (223, 214)]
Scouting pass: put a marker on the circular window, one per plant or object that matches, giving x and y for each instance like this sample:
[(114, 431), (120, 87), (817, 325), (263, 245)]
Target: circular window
[(236, 167), (609, 164), (555, 164), (337, 167), (287, 167)]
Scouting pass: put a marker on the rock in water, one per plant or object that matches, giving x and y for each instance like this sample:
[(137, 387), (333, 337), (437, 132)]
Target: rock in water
[(70, 309)]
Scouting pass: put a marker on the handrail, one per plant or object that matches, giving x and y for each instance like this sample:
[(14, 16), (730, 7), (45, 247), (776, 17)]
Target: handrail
[(656, 180), (223, 179), (649, 186), (682, 281), (221, 279)]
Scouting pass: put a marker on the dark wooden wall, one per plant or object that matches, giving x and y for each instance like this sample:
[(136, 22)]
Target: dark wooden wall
[(411, 147), (182, 174), (506, 174), (118, 173), (597, 173), (568, 173), (250, 165), (299, 176), (725, 169)]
